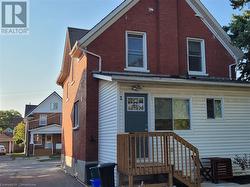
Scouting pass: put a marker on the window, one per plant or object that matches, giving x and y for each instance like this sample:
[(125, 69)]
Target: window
[(136, 51), (76, 115), (43, 119), (135, 104), (196, 57), (214, 108), (48, 141), (172, 114), (37, 139), (53, 106)]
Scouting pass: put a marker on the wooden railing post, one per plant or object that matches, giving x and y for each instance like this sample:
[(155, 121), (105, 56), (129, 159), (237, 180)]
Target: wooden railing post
[(158, 152)]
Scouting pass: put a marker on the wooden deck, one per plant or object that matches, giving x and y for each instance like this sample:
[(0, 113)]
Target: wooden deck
[(158, 153)]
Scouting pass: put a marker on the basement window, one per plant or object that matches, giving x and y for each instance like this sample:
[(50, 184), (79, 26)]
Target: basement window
[(136, 51), (214, 108)]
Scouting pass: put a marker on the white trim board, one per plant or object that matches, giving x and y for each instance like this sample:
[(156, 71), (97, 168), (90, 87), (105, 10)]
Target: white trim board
[(204, 14), (50, 129), (161, 80)]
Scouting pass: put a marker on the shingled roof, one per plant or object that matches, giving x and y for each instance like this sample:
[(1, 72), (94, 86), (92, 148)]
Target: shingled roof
[(5, 138), (76, 34), (28, 109)]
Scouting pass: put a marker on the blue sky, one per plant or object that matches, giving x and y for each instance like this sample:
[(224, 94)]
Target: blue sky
[(29, 65)]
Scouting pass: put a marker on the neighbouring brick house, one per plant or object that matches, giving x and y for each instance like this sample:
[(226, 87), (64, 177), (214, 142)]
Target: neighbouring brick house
[(152, 66), (43, 127)]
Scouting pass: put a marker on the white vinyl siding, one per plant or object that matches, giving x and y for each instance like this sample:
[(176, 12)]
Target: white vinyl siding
[(108, 103), (224, 137)]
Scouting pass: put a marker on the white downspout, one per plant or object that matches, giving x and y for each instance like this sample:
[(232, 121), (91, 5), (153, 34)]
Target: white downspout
[(77, 46), (230, 67), (95, 55)]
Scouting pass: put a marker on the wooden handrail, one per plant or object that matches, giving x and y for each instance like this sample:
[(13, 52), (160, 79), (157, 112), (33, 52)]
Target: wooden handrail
[(145, 153)]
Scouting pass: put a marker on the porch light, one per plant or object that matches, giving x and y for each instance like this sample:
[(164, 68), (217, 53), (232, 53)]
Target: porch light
[(136, 87)]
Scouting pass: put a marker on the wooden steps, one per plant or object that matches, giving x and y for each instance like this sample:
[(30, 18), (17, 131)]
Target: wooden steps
[(153, 153)]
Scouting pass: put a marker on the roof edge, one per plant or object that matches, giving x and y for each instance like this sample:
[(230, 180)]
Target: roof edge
[(43, 101), (107, 21), (166, 80)]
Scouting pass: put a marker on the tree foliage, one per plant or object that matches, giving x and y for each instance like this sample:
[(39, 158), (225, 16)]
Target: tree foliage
[(239, 32), (19, 133), (9, 118), (239, 3)]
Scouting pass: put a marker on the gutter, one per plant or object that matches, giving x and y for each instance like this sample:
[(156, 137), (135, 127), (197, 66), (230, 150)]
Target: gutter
[(74, 53), (161, 80)]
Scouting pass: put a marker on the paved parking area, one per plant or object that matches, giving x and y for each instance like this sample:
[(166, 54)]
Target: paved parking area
[(32, 173)]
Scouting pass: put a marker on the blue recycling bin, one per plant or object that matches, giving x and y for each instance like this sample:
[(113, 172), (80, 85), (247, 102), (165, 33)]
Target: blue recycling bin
[(95, 182)]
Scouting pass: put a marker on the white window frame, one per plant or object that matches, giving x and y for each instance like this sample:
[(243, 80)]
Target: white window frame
[(76, 126), (145, 63), (203, 57), (41, 139), (172, 97), (52, 106), (222, 108), (46, 141), (40, 119)]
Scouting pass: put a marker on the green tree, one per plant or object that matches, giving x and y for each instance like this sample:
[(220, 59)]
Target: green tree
[(9, 118), (19, 133), (239, 3), (239, 32)]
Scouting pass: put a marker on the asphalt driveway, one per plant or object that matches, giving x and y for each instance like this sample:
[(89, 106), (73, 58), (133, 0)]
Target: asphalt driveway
[(33, 173)]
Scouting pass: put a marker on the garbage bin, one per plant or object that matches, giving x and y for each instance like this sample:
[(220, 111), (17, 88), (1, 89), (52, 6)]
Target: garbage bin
[(88, 172), (106, 172), (95, 177), (95, 182)]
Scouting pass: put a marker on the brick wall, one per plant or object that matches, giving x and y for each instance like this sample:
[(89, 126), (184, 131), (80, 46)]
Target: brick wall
[(52, 118), (167, 29), (74, 141)]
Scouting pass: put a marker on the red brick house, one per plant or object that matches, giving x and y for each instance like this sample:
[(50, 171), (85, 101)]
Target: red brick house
[(164, 70), (43, 127)]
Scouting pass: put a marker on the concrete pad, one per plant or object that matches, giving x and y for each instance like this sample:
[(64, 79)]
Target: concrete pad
[(207, 184)]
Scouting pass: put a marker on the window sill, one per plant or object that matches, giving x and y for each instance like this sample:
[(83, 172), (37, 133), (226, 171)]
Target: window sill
[(193, 73), (215, 119), (76, 128), (137, 70)]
